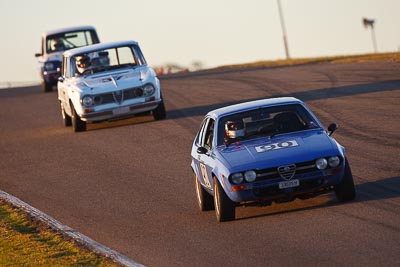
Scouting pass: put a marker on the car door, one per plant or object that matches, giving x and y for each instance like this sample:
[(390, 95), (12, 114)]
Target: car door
[(206, 161), (64, 84)]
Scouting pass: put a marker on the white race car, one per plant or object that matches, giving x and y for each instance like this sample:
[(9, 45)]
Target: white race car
[(107, 81)]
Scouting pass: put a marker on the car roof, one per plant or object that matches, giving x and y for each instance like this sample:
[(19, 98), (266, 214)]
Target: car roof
[(68, 29), (100, 46), (253, 105)]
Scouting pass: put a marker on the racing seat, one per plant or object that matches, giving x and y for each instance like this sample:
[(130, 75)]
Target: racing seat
[(287, 122)]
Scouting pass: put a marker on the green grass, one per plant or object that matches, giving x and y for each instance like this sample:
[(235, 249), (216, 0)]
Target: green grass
[(24, 242)]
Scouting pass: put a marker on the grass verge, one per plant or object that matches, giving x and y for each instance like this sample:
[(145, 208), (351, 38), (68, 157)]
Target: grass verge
[(24, 242), (391, 57)]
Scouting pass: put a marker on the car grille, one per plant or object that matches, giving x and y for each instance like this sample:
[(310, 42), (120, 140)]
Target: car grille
[(118, 96), (286, 172), (274, 190)]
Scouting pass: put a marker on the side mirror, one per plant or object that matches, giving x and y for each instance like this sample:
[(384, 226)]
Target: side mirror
[(61, 79), (38, 54), (202, 150), (332, 128)]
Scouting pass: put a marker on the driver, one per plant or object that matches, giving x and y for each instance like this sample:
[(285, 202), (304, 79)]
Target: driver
[(57, 45), (82, 63), (234, 129)]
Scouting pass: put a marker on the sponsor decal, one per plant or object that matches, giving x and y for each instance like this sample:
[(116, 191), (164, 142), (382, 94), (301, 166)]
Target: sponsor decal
[(276, 146)]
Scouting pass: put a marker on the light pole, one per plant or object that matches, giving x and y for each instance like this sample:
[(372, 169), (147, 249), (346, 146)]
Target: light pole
[(370, 23), (283, 30)]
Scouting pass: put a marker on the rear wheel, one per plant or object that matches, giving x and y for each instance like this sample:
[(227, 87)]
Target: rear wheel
[(345, 190), (224, 207), (204, 199), (77, 124)]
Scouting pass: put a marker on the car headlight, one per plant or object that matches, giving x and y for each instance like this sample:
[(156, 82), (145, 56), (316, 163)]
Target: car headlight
[(334, 161), (250, 176), (237, 178), (321, 163), (87, 101), (49, 66), (148, 90)]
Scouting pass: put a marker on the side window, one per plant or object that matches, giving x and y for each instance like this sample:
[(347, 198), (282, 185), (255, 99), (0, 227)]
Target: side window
[(209, 134), (43, 45), (201, 132), (125, 56), (206, 133), (139, 55), (64, 67)]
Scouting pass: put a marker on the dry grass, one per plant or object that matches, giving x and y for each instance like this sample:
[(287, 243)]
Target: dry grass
[(25, 243), (390, 57)]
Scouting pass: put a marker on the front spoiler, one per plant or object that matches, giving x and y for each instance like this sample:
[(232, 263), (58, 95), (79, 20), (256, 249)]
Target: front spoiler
[(109, 114)]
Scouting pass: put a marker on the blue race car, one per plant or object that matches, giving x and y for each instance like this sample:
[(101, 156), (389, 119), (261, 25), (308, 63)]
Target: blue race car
[(268, 150)]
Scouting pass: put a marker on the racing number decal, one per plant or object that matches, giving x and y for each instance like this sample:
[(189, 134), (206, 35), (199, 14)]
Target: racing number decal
[(204, 175), (276, 146)]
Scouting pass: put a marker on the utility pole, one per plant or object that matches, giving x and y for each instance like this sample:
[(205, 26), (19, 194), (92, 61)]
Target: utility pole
[(283, 30), (370, 23)]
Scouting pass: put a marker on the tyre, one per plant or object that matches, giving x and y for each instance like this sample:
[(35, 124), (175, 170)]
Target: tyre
[(224, 207), (77, 124), (204, 199), (345, 190), (47, 87), (159, 113), (66, 118)]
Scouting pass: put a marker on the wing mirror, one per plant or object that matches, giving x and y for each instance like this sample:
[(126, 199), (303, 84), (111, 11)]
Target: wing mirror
[(202, 150), (332, 128)]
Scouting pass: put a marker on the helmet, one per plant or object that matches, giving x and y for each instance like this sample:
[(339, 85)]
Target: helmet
[(82, 62), (57, 45), (234, 128)]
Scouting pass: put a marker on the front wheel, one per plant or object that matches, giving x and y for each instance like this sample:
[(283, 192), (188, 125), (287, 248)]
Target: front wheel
[(159, 113), (224, 207), (77, 124), (204, 199), (66, 118), (47, 87), (345, 190)]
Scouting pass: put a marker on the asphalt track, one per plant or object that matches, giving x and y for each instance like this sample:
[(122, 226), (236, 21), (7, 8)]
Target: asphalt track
[(128, 184)]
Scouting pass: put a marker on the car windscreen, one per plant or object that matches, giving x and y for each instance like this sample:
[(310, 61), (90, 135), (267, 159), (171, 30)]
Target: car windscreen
[(69, 40), (264, 121), (107, 59)]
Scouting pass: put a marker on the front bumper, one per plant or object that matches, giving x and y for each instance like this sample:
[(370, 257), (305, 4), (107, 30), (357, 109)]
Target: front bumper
[(118, 112), (269, 190), (51, 77)]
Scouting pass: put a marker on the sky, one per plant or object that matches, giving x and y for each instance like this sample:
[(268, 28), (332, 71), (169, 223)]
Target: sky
[(212, 32)]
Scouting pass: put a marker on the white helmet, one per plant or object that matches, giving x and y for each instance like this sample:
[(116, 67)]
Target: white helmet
[(234, 129)]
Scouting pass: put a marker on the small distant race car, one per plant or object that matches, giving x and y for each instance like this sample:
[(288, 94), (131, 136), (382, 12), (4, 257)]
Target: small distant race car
[(268, 150), (107, 81), (54, 43)]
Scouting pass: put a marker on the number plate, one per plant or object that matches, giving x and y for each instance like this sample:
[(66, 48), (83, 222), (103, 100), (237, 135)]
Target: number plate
[(287, 184), (121, 110)]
